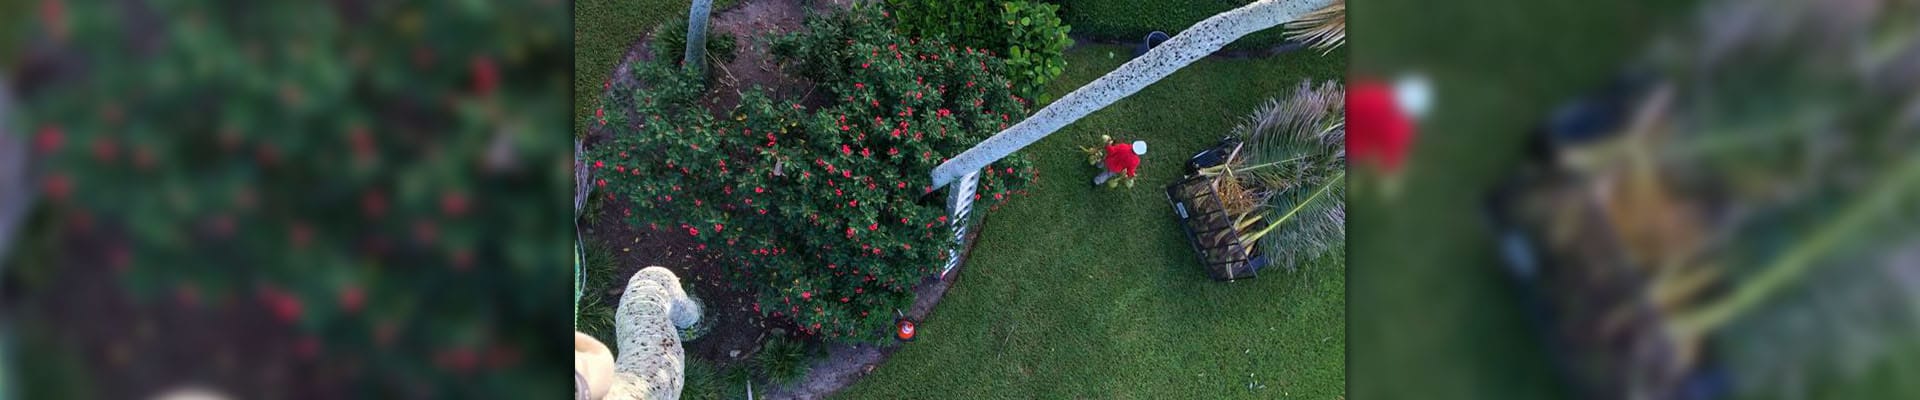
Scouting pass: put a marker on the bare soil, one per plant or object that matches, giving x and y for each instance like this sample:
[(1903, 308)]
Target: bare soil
[(128, 348)]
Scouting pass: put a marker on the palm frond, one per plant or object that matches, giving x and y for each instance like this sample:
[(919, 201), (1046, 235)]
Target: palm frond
[(1324, 29), (1300, 142)]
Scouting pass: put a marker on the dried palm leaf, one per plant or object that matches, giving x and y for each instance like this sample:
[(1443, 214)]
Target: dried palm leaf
[(1324, 29)]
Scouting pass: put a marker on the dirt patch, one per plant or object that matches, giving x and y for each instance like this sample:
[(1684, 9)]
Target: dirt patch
[(735, 330), (133, 348)]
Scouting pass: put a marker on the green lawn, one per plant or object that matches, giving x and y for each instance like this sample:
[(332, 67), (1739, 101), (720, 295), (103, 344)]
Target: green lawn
[(1077, 292), (1433, 317)]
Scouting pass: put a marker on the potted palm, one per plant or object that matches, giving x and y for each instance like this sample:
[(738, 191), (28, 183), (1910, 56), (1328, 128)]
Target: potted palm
[(1273, 191), (1680, 227)]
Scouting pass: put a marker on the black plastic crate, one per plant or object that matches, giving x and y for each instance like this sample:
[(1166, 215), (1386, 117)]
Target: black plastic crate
[(1204, 218), (1593, 367)]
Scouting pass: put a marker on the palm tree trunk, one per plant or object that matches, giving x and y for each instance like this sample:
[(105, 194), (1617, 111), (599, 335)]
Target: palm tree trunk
[(1190, 45), (696, 54)]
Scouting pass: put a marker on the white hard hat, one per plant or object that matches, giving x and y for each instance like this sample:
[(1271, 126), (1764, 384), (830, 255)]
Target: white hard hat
[(1414, 94), (1140, 147)]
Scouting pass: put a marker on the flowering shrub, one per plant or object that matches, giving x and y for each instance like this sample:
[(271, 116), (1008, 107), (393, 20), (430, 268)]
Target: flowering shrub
[(324, 160), (820, 210)]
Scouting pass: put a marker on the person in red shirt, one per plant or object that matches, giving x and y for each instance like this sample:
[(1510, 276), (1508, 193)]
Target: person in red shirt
[(1122, 159)]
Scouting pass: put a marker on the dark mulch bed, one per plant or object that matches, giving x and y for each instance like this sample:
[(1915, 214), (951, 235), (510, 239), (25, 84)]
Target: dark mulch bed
[(76, 312), (735, 329)]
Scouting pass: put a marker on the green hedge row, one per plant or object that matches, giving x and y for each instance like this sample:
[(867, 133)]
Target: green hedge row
[(1131, 20)]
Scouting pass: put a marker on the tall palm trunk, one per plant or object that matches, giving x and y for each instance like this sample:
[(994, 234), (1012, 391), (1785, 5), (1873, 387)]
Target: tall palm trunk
[(696, 54), (1190, 45)]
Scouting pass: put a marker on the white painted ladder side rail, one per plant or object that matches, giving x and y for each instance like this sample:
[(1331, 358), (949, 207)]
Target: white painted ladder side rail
[(959, 215), (1204, 38)]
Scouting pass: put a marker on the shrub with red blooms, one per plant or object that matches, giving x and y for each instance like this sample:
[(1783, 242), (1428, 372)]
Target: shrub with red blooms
[(818, 211), (369, 174)]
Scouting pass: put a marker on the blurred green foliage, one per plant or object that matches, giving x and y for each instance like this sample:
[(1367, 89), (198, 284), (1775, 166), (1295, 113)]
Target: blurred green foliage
[(373, 172)]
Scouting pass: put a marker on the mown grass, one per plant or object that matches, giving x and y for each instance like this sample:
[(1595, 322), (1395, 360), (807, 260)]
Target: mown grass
[(1076, 292)]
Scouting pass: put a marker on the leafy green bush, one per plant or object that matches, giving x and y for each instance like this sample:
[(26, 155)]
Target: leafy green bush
[(1028, 34), (820, 212), (1036, 46), (783, 361), (670, 43), (1129, 21)]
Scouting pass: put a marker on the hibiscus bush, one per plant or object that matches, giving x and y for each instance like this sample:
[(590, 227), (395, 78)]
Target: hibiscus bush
[(827, 211), (373, 174)]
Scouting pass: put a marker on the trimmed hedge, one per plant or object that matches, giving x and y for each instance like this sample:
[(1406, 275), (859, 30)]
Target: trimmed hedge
[(1131, 20)]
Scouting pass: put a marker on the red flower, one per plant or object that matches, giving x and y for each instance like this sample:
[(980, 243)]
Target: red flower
[(719, 227), (54, 14), (307, 348), (361, 141), (693, 231), (187, 295), (58, 187), (601, 182), (48, 140), (873, 227), (858, 85), (373, 204), (104, 149), (352, 298), (453, 203), (845, 149), (806, 295), (485, 75), (300, 235), (758, 190), (284, 306)]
